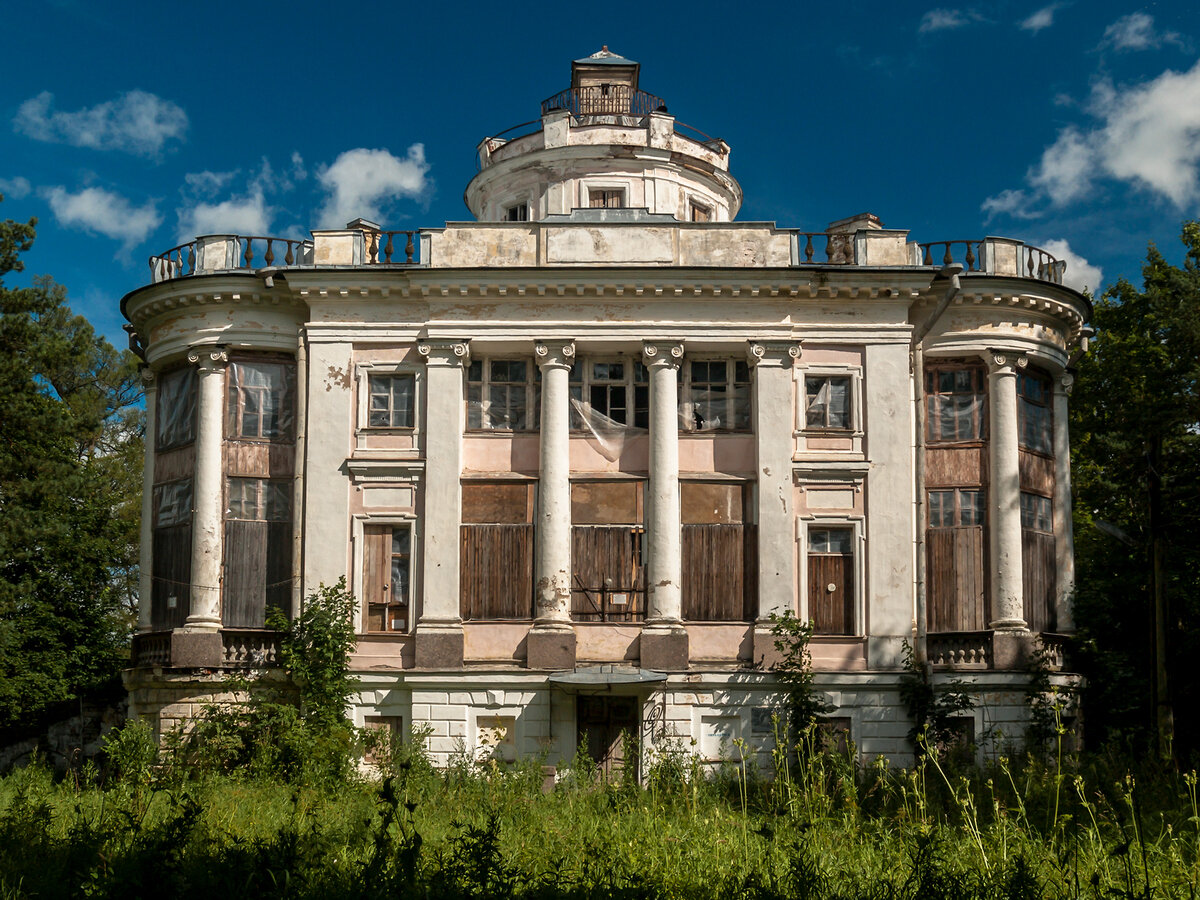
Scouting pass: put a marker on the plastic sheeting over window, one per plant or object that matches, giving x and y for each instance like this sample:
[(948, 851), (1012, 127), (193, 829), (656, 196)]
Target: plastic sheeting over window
[(262, 400), (716, 396), (173, 503), (502, 395), (259, 500), (175, 409), (955, 404), (827, 401)]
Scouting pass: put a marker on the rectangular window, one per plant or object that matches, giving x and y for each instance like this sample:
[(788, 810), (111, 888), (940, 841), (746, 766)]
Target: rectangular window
[(387, 561), (720, 552), (1036, 513), (954, 404), (831, 580), (496, 543), (608, 575), (502, 395), (171, 554), (261, 400), (259, 500), (954, 561), (390, 400), (699, 212), (603, 198), (1034, 420), (604, 393), (175, 409), (517, 213), (1039, 562), (827, 402), (956, 507), (384, 736), (716, 396)]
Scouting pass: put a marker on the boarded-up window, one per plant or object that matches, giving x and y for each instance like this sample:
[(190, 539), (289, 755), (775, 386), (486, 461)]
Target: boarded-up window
[(170, 594), (607, 572), (387, 568), (258, 550), (1038, 562), (720, 558), (496, 551), (955, 575), (831, 580), (262, 399), (175, 409), (955, 398)]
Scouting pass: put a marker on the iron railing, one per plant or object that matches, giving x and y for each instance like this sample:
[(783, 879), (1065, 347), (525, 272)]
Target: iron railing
[(604, 100)]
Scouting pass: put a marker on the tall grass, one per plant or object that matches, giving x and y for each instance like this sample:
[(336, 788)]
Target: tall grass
[(824, 826)]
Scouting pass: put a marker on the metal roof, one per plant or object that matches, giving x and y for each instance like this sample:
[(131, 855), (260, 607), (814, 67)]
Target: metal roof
[(605, 57)]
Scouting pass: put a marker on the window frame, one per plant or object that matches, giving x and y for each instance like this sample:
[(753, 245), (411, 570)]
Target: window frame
[(981, 490), (533, 394), (933, 368), (697, 206), (517, 207), (857, 526), (1025, 402), (621, 188), (853, 399), (361, 602), (179, 372), (686, 387), (365, 371), (261, 501), (234, 418), (1035, 518), (630, 384)]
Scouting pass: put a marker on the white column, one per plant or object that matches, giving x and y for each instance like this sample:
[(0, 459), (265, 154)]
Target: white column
[(439, 639), (552, 574), (664, 598), (1064, 528), (1004, 492), (204, 611), (775, 438), (146, 554)]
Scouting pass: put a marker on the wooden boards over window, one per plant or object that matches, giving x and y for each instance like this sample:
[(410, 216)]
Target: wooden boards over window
[(720, 552), (496, 550), (608, 579)]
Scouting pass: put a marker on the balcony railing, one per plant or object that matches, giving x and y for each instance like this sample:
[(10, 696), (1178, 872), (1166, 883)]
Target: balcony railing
[(1030, 262), (241, 648), (604, 100), (236, 252)]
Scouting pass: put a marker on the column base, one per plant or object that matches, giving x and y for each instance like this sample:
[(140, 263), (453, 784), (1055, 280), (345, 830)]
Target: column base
[(664, 648), (196, 649), (1012, 650), (550, 647), (438, 646)]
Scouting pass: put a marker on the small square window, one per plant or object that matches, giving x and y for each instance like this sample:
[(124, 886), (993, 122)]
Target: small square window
[(716, 396), (517, 213), (827, 401), (391, 401), (699, 212), (605, 198)]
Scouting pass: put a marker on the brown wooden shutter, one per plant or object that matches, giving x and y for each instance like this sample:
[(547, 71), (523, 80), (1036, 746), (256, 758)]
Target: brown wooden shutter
[(956, 579), (377, 575), (607, 560), (1039, 577), (496, 571), (715, 572), (172, 565), (832, 612)]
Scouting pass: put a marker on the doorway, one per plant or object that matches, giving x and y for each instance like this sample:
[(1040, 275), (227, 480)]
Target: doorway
[(604, 723)]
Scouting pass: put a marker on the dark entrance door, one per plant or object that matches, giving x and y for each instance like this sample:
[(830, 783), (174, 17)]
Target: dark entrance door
[(603, 723)]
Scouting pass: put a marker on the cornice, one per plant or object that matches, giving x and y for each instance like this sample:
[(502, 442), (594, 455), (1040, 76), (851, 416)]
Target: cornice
[(195, 292)]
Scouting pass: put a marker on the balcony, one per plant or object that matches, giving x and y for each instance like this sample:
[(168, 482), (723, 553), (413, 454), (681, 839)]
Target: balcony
[(240, 648)]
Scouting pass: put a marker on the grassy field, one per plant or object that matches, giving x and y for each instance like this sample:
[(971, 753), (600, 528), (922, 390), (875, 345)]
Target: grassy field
[(829, 829)]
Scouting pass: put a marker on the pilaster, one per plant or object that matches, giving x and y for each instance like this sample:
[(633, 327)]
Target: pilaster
[(439, 635), (551, 642), (1004, 494), (1064, 536), (664, 642), (774, 428), (204, 611)]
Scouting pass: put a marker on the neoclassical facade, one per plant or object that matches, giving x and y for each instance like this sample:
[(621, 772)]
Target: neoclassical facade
[(572, 456)]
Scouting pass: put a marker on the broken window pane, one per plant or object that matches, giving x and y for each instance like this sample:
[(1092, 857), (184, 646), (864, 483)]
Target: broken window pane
[(828, 401), (390, 401)]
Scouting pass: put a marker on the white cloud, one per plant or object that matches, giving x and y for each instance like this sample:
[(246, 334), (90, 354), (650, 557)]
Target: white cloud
[(207, 184), (1043, 18), (1146, 134), (1080, 273), (362, 182), (944, 19), (103, 212), (1066, 167), (246, 214), (1013, 203), (137, 122), (1136, 31), (15, 187)]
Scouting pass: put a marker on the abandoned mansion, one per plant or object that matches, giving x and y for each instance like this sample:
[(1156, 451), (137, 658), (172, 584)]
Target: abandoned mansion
[(572, 456)]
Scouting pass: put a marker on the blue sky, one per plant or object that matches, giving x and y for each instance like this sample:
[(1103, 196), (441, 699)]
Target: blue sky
[(128, 128)]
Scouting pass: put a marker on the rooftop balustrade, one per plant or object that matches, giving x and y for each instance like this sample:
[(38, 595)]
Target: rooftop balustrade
[(868, 247)]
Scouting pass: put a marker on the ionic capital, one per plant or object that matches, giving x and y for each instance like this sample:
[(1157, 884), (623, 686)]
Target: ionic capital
[(452, 352), (1005, 362), (776, 353), (208, 359), (1066, 383), (554, 354), (662, 355), (148, 376)]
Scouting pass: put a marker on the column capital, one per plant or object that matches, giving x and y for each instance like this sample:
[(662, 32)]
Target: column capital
[(448, 352), (147, 375), (208, 359), (773, 353), (1065, 383), (554, 354), (1005, 362), (664, 354)]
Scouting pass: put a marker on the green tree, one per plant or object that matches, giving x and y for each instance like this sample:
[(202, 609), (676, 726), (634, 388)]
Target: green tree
[(1136, 469), (70, 447)]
